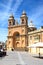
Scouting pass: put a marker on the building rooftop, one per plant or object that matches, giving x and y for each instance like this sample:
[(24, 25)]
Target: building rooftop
[(23, 13), (11, 16), (31, 24)]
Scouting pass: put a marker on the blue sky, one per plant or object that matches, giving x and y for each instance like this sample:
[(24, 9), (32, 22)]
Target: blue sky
[(33, 8)]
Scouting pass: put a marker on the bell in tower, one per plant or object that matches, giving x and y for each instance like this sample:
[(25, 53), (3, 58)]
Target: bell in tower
[(11, 20), (24, 18)]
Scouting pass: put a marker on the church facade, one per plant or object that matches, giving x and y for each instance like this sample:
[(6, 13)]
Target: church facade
[(22, 35)]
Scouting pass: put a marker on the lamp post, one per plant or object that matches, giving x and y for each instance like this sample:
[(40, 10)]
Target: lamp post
[(39, 52)]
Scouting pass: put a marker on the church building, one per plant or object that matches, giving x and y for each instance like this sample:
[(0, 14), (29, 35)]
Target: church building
[(22, 35)]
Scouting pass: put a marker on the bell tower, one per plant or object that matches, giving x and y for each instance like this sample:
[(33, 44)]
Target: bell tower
[(11, 20), (24, 24), (17, 33), (24, 18)]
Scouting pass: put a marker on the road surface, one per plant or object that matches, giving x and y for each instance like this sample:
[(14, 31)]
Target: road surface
[(20, 58)]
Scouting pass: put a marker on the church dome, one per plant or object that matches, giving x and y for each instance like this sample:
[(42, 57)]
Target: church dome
[(23, 14), (11, 16), (31, 24)]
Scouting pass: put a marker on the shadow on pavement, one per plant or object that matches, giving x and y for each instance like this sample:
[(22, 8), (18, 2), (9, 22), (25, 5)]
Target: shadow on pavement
[(38, 57)]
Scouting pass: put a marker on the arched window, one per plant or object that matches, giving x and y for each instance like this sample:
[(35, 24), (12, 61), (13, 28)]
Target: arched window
[(22, 21), (9, 23), (17, 36), (14, 23)]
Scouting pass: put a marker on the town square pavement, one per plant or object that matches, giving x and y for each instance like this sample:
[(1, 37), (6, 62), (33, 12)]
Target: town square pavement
[(20, 58)]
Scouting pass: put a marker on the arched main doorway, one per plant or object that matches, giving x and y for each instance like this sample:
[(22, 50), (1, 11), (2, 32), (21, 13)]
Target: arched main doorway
[(16, 40)]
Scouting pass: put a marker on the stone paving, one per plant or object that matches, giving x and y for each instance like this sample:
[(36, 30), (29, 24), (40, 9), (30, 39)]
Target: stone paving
[(20, 58)]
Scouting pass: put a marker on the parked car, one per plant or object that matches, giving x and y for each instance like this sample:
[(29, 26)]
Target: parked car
[(2, 51)]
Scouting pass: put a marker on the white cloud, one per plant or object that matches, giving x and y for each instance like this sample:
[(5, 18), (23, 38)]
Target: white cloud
[(16, 5), (37, 12), (3, 34), (5, 14)]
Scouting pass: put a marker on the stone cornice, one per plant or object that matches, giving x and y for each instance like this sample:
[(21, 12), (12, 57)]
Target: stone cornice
[(23, 35), (19, 36), (9, 36), (36, 31), (14, 26)]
